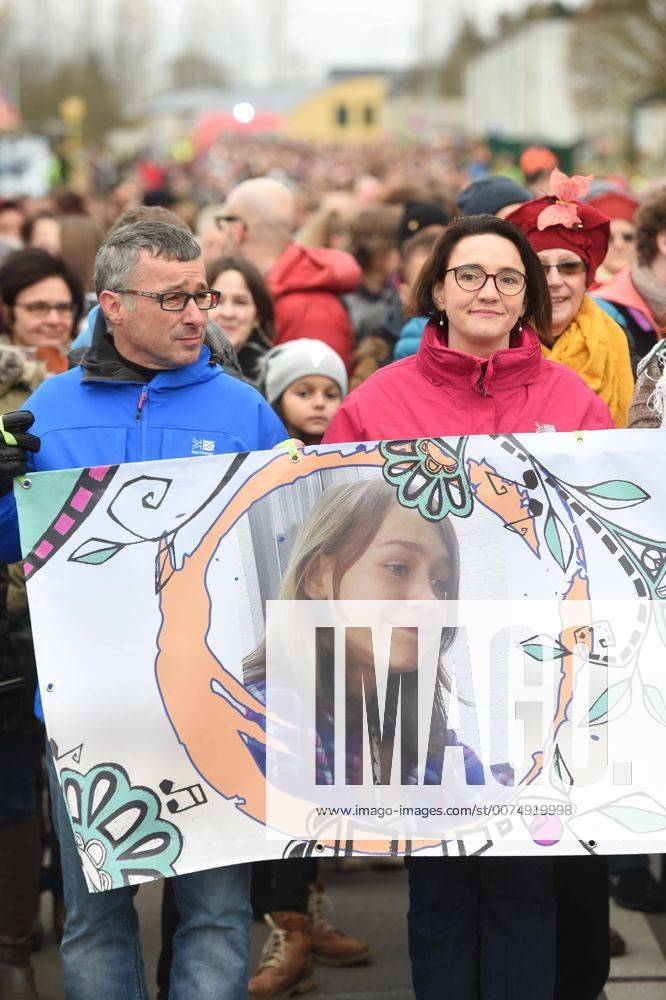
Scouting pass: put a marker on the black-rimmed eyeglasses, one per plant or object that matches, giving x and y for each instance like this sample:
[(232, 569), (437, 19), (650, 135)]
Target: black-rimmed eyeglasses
[(221, 219), (205, 300), (472, 278)]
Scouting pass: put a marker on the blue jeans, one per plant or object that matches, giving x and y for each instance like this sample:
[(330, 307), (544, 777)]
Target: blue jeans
[(481, 928), (101, 951)]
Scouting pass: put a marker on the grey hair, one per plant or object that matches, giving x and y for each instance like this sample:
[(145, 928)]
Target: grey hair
[(119, 254)]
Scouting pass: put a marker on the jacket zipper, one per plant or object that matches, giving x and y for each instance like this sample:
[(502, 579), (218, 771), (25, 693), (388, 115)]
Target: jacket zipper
[(482, 379), (142, 400), (143, 413)]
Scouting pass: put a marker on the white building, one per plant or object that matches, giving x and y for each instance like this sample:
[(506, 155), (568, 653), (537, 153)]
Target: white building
[(519, 87)]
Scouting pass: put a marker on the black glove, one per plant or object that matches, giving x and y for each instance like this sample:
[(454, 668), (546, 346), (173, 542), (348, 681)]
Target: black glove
[(13, 458)]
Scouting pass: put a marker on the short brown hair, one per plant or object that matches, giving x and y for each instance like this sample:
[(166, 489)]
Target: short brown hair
[(373, 230), (537, 296), (26, 267), (650, 221)]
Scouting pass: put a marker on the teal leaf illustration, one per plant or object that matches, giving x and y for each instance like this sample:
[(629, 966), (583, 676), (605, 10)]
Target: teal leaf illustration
[(542, 647), (653, 700), (96, 551), (558, 540), (560, 774), (635, 819), (616, 493), (613, 703)]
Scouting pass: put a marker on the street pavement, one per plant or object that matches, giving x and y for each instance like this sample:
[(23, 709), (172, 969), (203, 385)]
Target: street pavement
[(373, 904)]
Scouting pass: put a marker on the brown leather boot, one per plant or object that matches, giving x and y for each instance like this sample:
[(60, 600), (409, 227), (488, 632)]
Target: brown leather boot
[(286, 967), (20, 856), (330, 945)]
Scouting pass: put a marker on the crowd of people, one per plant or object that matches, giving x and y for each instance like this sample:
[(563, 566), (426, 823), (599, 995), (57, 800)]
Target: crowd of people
[(276, 291)]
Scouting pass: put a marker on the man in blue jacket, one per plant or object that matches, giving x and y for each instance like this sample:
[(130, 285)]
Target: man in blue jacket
[(146, 389)]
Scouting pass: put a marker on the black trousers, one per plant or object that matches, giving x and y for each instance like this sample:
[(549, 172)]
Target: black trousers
[(581, 892)]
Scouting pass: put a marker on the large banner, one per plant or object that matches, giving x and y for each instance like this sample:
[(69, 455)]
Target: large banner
[(442, 646)]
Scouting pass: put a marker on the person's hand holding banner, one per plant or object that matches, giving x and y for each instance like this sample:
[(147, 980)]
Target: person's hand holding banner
[(14, 443)]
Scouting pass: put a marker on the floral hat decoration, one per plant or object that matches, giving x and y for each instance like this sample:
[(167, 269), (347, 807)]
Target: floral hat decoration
[(561, 221)]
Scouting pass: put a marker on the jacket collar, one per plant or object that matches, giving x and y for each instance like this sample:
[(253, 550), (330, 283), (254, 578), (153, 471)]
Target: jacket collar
[(101, 363), (621, 291), (518, 364)]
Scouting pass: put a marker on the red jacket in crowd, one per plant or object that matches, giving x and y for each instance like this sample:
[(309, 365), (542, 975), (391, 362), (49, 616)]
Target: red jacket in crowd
[(439, 392), (306, 284)]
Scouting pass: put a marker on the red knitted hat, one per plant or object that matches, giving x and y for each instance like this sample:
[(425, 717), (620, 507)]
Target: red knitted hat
[(561, 221), (615, 204)]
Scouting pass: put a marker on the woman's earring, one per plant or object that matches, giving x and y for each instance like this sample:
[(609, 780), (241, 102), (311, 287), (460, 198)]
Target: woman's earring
[(441, 320)]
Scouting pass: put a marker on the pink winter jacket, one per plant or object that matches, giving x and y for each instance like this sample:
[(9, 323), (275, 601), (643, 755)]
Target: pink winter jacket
[(440, 392)]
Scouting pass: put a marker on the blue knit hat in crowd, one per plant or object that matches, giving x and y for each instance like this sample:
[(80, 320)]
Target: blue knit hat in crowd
[(489, 195)]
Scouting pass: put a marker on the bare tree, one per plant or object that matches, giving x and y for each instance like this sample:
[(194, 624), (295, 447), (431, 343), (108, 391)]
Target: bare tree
[(43, 89), (191, 69), (618, 53), (446, 78), (131, 68)]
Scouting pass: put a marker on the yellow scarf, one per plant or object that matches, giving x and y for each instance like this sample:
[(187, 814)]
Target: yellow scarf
[(595, 347)]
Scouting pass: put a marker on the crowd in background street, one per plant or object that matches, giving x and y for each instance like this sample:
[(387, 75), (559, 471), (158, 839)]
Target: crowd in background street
[(319, 293)]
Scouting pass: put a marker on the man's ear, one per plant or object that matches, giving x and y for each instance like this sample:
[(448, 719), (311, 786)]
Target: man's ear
[(661, 242), (240, 232), (112, 306), (438, 295), (318, 579)]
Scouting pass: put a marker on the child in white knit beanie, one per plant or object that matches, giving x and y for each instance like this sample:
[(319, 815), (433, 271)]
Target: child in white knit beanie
[(304, 381)]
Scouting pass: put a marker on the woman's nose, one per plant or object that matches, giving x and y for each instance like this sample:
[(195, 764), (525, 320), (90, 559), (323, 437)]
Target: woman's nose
[(489, 290)]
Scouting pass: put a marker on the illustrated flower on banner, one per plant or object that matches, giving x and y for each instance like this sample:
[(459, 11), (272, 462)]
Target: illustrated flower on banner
[(119, 834), (429, 475), (567, 190)]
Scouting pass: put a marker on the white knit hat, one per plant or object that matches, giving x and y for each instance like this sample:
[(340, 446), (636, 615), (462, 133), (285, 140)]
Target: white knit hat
[(296, 359)]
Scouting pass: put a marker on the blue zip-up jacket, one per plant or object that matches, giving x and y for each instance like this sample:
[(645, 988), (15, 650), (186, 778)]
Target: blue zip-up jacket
[(103, 413)]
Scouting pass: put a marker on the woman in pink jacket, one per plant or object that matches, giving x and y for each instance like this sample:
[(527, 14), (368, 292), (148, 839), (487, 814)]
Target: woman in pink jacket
[(479, 368), (478, 928)]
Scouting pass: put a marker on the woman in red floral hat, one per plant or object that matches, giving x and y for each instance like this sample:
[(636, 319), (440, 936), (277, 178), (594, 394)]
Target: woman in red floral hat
[(571, 241)]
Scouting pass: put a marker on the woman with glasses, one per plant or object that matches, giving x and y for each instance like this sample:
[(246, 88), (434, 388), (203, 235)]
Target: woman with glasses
[(41, 302), (571, 240), (478, 927)]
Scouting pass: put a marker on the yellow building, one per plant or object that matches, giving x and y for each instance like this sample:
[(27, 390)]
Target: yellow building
[(350, 110)]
